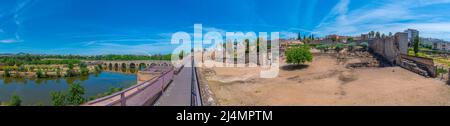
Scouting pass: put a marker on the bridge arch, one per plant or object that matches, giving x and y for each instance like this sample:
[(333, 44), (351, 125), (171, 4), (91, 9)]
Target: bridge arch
[(123, 66), (132, 66), (116, 66), (142, 66)]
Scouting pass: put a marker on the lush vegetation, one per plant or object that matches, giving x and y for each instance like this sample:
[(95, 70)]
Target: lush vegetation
[(299, 55), (74, 96), (28, 59), (113, 57), (15, 100)]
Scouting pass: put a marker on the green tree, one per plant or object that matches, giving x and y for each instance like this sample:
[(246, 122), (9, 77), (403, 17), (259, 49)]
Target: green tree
[(74, 96), (58, 98), (84, 71), (350, 39), (351, 46), (70, 66), (22, 68), (40, 74), (299, 55), (15, 101), (365, 45), (339, 47), (181, 54), (58, 72), (70, 72), (324, 47), (7, 72)]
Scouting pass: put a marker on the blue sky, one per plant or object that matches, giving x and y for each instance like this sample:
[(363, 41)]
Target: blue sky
[(90, 27)]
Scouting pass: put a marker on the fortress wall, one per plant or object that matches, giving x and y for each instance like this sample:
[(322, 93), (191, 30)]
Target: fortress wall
[(391, 47), (395, 51)]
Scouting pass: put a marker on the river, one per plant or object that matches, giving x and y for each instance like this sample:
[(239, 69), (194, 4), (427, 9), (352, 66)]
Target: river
[(37, 91)]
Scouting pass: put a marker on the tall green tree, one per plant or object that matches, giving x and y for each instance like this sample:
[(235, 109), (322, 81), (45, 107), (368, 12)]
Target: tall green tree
[(416, 45)]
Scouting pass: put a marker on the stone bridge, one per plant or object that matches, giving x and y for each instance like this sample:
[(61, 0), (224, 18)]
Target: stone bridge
[(128, 63)]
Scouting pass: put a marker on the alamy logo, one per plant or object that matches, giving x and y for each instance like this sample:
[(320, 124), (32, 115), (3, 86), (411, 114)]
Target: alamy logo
[(238, 49)]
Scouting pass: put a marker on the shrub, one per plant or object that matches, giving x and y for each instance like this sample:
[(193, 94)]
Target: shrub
[(84, 71), (40, 74), (339, 47), (7, 73), (74, 96), (58, 98), (15, 101), (299, 55)]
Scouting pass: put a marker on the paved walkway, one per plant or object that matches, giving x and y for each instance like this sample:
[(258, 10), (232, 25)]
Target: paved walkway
[(179, 91)]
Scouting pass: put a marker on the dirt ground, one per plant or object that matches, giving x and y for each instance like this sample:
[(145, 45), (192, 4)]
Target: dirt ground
[(325, 82)]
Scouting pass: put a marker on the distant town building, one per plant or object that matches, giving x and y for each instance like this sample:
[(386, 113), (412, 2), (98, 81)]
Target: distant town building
[(412, 33), (436, 44), (443, 46), (362, 38)]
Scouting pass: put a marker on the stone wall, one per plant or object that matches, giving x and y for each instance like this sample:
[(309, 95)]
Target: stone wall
[(419, 65), (390, 48), (394, 50)]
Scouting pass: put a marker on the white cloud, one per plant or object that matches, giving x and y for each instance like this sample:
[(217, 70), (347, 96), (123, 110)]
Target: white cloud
[(9, 41), (385, 16)]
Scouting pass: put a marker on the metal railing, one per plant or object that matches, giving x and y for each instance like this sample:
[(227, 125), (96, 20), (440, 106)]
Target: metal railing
[(196, 99)]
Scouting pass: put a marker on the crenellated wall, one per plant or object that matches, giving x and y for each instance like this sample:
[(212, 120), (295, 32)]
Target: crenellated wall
[(390, 47)]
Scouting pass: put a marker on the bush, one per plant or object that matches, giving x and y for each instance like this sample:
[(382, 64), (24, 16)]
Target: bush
[(40, 74), (339, 47), (365, 45), (15, 101), (58, 72), (441, 71), (299, 55), (84, 71), (58, 98), (7, 73), (98, 68), (22, 68), (74, 96), (71, 73), (351, 46)]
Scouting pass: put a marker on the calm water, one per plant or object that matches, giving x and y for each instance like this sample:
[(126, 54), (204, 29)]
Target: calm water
[(37, 91)]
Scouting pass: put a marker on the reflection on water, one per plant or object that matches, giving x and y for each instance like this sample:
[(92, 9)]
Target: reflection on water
[(123, 70), (37, 91)]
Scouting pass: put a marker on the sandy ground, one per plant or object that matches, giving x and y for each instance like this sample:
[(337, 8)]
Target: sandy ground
[(325, 82)]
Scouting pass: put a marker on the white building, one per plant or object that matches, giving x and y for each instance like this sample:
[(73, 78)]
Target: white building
[(444, 46)]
